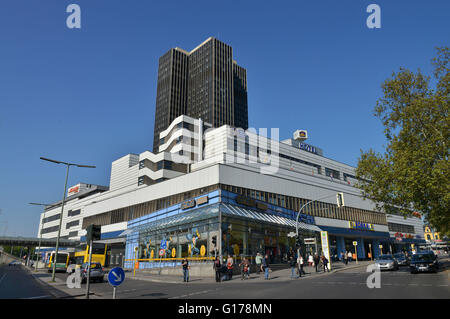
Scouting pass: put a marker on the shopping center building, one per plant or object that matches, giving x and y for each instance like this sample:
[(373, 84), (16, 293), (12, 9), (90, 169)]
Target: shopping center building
[(226, 191)]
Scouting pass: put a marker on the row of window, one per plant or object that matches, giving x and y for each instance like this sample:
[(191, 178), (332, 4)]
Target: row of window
[(76, 212), (401, 228), (72, 224), (51, 218), (319, 209), (139, 210)]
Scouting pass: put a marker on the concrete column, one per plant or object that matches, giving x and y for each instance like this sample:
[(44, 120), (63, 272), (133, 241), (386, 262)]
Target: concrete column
[(340, 245), (376, 248), (360, 250)]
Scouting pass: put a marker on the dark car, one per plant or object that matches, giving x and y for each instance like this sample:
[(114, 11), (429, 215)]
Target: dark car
[(96, 274), (425, 262), (402, 260)]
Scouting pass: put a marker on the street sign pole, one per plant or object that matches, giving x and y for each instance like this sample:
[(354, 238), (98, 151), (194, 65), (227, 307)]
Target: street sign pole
[(356, 252), (114, 292), (370, 248), (89, 269)]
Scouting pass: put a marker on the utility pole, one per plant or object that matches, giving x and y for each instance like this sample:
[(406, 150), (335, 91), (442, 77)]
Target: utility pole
[(62, 206)]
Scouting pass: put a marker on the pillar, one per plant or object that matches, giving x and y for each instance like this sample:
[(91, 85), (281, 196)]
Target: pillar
[(340, 245), (360, 250), (376, 248)]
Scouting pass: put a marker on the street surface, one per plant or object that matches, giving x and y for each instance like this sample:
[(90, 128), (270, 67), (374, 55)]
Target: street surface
[(348, 282), (16, 282)]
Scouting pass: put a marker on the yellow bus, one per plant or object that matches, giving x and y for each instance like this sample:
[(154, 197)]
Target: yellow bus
[(81, 254), (62, 261)]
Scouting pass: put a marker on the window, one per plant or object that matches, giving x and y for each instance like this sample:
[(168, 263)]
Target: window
[(73, 212)]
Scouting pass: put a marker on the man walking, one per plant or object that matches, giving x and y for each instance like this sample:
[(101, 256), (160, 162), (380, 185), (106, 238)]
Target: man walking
[(185, 264), (258, 260), (217, 268), (300, 263), (316, 261), (229, 267)]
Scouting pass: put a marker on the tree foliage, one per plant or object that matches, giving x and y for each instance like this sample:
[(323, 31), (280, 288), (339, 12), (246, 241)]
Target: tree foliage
[(413, 173)]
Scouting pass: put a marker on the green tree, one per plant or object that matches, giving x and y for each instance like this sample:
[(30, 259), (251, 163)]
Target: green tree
[(413, 173)]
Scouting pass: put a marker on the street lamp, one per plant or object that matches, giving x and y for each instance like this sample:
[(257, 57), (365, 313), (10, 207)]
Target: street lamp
[(62, 206), (40, 237), (340, 202)]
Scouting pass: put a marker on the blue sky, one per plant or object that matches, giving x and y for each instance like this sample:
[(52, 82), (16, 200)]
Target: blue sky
[(88, 95)]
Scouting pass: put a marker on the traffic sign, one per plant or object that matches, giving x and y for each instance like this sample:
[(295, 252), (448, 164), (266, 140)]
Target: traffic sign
[(161, 252), (116, 276), (355, 243)]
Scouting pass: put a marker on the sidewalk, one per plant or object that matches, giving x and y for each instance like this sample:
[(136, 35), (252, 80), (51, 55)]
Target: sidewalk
[(58, 288), (282, 275)]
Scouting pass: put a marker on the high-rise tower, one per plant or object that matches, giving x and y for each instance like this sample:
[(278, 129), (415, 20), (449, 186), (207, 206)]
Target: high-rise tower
[(205, 83)]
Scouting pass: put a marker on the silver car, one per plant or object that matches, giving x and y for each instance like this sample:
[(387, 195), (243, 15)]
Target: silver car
[(96, 274), (386, 262)]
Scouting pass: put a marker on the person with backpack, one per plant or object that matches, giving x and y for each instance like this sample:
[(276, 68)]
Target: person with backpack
[(292, 264), (325, 263), (217, 267), (265, 267)]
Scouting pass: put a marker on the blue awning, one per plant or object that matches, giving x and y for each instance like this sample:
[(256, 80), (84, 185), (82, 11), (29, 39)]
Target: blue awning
[(356, 233), (246, 213)]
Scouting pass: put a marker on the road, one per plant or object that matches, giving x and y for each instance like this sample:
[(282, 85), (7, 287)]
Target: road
[(345, 284), (16, 283)]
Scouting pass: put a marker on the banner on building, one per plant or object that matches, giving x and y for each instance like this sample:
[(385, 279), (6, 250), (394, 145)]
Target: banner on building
[(325, 247)]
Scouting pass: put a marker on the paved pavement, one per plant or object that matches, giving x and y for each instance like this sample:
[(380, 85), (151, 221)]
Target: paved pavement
[(342, 282), (278, 275)]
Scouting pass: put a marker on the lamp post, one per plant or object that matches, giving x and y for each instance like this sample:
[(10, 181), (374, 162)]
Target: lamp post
[(340, 202), (40, 233), (62, 206)]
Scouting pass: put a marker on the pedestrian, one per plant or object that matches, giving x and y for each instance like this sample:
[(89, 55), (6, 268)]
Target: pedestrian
[(300, 264), (185, 264), (345, 258), (265, 267), (245, 267), (325, 263), (258, 260), (349, 256), (316, 261), (230, 267), (310, 260), (292, 264), (217, 267)]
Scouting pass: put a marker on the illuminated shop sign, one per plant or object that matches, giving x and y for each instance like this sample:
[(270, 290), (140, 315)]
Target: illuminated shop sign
[(308, 148), (202, 200), (360, 225), (188, 204)]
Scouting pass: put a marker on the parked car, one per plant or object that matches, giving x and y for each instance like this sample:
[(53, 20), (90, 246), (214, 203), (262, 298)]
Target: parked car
[(386, 262), (401, 259), (15, 263), (424, 261), (97, 272)]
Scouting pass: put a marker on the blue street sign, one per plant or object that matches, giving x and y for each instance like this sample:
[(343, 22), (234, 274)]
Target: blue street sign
[(116, 276), (163, 244)]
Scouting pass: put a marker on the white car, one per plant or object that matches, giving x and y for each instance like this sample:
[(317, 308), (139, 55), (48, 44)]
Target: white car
[(386, 262)]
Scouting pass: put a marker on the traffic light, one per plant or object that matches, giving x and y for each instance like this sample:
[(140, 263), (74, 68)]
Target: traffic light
[(340, 199), (93, 233), (298, 241), (214, 240)]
